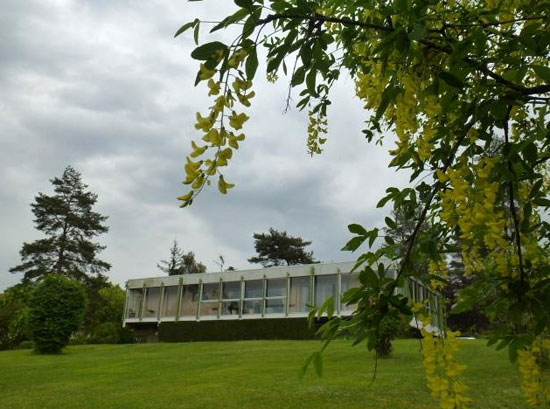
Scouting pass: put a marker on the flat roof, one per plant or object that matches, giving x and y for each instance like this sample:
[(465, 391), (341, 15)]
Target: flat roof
[(249, 274)]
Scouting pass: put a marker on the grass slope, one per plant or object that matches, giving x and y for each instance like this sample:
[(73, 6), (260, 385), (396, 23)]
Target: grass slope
[(247, 374)]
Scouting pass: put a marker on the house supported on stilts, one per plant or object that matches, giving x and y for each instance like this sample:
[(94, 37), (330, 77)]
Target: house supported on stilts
[(267, 303)]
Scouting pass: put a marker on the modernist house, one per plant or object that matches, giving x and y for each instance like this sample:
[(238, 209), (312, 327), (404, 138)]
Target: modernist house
[(241, 304)]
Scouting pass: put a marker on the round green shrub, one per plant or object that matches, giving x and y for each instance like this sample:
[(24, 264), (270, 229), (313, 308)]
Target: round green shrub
[(57, 308)]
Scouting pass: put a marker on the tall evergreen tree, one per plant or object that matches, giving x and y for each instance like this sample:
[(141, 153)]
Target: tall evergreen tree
[(70, 224), (277, 248), (181, 262)]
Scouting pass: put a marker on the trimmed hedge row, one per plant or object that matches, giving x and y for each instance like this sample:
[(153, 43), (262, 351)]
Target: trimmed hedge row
[(233, 330)]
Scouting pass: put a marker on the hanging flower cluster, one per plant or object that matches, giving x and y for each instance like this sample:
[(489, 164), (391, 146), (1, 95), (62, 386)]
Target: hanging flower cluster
[(442, 370), (530, 361), (220, 126)]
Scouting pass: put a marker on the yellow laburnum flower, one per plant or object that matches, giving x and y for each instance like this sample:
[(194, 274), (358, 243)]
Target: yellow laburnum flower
[(214, 87), (237, 120), (204, 123), (206, 73)]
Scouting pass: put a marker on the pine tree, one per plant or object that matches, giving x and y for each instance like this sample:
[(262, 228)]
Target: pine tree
[(181, 262), (278, 248), (70, 224)]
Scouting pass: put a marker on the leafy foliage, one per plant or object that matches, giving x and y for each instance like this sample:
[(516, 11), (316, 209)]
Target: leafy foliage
[(13, 315), (70, 224), (465, 87), (181, 262), (57, 307), (277, 248)]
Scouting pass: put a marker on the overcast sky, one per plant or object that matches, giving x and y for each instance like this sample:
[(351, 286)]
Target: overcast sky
[(103, 86)]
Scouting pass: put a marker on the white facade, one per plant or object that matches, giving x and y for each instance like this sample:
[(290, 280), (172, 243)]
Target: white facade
[(275, 292)]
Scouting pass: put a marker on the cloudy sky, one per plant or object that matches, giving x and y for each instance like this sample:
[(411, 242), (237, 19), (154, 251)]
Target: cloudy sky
[(103, 86)]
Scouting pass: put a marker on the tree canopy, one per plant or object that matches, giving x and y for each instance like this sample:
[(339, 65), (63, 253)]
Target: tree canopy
[(464, 86), (278, 249), (180, 262), (70, 225)]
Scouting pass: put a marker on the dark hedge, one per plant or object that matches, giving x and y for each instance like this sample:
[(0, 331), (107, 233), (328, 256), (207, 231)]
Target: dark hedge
[(232, 330)]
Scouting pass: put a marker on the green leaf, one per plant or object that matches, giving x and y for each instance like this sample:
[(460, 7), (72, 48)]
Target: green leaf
[(530, 152), (401, 5), (417, 32), (318, 363), (298, 76), (390, 223), (305, 365), (354, 243), (541, 201), (196, 33), (451, 79), (237, 16), (542, 71), (251, 64), (357, 229), (373, 236), (247, 4), (385, 199), (186, 27), (208, 51), (250, 23)]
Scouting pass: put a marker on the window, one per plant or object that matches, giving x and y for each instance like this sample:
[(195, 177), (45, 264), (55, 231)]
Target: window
[(189, 300), (210, 301), (135, 298), (325, 287), (275, 296), (231, 295), (232, 290), (253, 296), (348, 281), (152, 298), (252, 307), (299, 294), (170, 301), (275, 306), (254, 289)]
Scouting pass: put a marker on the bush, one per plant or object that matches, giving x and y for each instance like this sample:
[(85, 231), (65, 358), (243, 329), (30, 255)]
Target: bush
[(231, 330), (13, 316), (389, 328), (56, 310), (106, 333), (25, 345), (127, 336)]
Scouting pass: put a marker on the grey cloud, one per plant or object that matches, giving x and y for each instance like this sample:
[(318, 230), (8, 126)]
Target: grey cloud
[(105, 87)]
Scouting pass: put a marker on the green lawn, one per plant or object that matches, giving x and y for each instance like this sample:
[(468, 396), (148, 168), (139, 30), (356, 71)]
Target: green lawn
[(247, 374)]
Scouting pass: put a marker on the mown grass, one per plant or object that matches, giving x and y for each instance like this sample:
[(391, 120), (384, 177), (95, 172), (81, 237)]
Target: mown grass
[(247, 374)]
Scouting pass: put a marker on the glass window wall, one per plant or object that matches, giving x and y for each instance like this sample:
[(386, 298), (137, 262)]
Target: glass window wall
[(348, 281), (254, 289), (210, 301), (135, 298), (231, 297), (275, 296), (325, 287), (152, 298), (253, 297), (252, 307), (189, 300), (170, 301), (299, 294)]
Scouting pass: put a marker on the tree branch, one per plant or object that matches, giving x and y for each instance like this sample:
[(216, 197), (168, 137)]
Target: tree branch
[(541, 89), (515, 217), (494, 23), (323, 19)]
